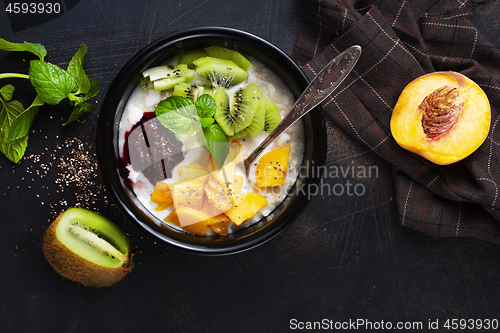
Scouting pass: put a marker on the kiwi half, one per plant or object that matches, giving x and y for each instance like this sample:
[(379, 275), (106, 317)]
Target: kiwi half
[(85, 247)]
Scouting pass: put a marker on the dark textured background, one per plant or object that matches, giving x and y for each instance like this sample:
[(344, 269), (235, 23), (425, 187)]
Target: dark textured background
[(346, 257)]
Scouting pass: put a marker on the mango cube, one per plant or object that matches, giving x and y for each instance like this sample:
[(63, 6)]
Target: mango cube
[(188, 194), (162, 196), (272, 167), (188, 216), (219, 224), (247, 208), (217, 188), (237, 189), (191, 220), (193, 171)]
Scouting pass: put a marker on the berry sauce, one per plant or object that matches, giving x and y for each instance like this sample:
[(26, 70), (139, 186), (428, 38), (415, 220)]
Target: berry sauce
[(151, 149)]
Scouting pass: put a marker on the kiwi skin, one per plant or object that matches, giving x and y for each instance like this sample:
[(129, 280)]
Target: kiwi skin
[(75, 268)]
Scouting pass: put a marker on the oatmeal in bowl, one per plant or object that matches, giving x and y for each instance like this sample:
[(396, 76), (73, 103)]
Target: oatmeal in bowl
[(177, 124)]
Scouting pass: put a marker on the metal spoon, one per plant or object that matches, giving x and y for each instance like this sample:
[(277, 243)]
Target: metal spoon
[(327, 80)]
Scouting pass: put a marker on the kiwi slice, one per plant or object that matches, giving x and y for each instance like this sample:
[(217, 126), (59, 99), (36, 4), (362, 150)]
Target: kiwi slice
[(258, 121), (245, 103), (224, 73), (223, 114), (239, 135), (208, 90), (235, 113), (273, 116), (166, 77), (191, 91), (85, 247), (228, 54), (188, 57)]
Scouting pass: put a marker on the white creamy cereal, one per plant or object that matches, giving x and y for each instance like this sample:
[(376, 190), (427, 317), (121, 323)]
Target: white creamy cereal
[(143, 100)]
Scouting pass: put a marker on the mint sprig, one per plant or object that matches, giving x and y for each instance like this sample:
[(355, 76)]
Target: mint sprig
[(180, 115), (52, 84)]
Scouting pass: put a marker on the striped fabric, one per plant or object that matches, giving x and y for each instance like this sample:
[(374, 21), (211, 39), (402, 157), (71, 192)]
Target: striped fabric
[(402, 40)]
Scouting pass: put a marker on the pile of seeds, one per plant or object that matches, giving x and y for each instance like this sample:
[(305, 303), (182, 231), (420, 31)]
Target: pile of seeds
[(76, 174)]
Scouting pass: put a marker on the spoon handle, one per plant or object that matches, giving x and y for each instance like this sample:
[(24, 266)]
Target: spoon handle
[(325, 82)]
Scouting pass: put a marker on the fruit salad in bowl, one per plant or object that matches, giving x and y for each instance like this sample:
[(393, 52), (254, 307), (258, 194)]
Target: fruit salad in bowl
[(192, 110)]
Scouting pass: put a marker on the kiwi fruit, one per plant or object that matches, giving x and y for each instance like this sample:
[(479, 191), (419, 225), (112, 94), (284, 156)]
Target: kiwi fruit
[(228, 54), (223, 114), (236, 112), (220, 72), (85, 247), (244, 106), (258, 121), (191, 91), (273, 116), (166, 77), (239, 135), (188, 57)]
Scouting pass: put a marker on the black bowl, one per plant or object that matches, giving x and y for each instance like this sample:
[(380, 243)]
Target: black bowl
[(121, 89)]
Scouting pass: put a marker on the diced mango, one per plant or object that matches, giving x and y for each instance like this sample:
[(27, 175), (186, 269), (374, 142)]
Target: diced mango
[(161, 193), (199, 228), (272, 167), (163, 206), (188, 194), (237, 189), (188, 216), (209, 208), (247, 208), (173, 218), (217, 190), (219, 224), (162, 196), (189, 219), (193, 171)]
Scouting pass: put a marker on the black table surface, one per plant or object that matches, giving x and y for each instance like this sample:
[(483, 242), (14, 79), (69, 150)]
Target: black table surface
[(346, 258)]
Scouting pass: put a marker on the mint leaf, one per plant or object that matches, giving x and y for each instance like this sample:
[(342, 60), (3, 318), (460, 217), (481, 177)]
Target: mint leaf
[(206, 106), (14, 150), (9, 111), (35, 48), (51, 82), (7, 92), (176, 113), (75, 68), (217, 143), (205, 122), (93, 90), (80, 108), (21, 125)]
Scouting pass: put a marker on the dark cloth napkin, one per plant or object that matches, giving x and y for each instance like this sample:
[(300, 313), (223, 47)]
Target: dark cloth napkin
[(402, 40)]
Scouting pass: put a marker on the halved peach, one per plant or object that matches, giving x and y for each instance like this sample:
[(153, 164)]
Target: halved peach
[(442, 116)]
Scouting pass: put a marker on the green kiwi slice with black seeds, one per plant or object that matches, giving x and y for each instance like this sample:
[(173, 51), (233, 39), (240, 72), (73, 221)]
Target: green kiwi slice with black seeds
[(228, 54), (188, 57), (258, 121), (191, 91), (236, 112), (273, 116), (223, 73)]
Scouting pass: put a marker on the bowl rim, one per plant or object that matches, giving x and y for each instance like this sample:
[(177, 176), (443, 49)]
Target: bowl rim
[(105, 149)]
